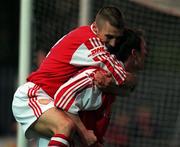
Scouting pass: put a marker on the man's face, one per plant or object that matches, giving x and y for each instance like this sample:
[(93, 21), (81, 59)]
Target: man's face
[(109, 35)]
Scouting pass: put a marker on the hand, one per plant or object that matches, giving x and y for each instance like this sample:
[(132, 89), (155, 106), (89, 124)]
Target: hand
[(102, 79), (90, 138)]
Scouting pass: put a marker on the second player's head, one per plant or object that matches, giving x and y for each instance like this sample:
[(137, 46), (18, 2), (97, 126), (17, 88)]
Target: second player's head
[(132, 50)]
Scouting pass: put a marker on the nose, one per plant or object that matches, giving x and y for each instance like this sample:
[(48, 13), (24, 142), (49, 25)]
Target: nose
[(112, 42)]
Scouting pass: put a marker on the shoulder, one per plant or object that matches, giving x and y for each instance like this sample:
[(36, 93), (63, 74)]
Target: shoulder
[(94, 42), (84, 34), (82, 31)]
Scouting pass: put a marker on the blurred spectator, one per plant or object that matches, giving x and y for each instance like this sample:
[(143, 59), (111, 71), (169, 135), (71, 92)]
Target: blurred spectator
[(138, 130), (142, 122), (142, 127), (117, 134)]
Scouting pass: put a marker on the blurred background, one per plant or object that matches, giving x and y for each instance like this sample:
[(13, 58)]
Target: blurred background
[(150, 116), (9, 39)]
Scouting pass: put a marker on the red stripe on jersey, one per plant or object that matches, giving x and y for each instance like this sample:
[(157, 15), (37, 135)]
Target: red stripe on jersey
[(100, 42), (71, 91), (94, 43), (75, 93), (33, 100), (37, 106), (35, 89), (89, 44), (32, 91), (58, 97), (94, 40), (110, 64), (33, 106), (117, 66), (97, 42), (69, 104), (38, 111)]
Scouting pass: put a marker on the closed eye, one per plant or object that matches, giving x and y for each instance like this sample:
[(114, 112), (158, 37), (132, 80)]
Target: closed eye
[(109, 37)]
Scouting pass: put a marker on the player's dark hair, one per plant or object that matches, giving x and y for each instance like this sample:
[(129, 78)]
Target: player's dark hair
[(111, 14), (131, 39)]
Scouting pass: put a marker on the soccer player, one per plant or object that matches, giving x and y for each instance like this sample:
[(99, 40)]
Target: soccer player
[(132, 53), (35, 105), (92, 104)]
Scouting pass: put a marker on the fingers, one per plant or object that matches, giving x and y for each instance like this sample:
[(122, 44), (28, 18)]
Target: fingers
[(91, 139), (102, 79)]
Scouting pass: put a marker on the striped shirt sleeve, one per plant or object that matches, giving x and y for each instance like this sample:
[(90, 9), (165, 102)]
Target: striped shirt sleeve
[(79, 93), (94, 53)]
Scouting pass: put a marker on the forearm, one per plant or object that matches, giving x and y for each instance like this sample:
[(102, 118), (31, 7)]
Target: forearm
[(107, 84), (116, 90), (81, 129), (88, 137)]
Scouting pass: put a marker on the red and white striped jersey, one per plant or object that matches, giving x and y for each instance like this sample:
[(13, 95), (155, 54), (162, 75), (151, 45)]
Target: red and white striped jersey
[(79, 95), (78, 49)]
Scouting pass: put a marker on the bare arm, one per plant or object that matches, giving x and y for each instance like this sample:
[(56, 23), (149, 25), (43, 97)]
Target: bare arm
[(88, 137), (107, 84), (116, 90)]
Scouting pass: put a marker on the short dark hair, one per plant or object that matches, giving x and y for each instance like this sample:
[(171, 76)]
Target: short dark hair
[(111, 14), (131, 39)]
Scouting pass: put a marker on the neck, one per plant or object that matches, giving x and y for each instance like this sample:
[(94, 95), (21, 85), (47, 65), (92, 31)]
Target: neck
[(129, 66)]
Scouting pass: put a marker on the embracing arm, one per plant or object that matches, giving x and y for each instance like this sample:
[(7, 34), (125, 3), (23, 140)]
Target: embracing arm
[(88, 137), (99, 57), (106, 83)]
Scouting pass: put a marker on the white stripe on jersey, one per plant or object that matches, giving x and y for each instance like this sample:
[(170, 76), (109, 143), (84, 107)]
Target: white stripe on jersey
[(92, 42), (62, 99), (85, 56), (80, 82), (99, 41), (117, 67), (96, 42), (79, 93), (73, 91)]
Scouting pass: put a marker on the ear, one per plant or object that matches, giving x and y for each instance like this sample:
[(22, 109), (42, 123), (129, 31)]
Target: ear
[(134, 53)]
